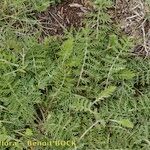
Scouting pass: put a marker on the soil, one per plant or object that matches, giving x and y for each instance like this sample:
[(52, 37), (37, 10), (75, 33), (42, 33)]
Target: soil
[(61, 17)]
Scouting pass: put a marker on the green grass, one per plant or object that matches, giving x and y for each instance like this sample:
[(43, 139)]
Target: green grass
[(86, 87)]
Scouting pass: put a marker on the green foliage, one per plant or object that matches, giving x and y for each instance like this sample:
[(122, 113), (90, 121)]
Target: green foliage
[(126, 123), (85, 87)]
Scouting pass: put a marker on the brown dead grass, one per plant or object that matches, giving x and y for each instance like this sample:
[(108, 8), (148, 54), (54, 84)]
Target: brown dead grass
[(133, 20)]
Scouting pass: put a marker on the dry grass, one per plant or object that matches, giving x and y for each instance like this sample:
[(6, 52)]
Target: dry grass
[(132, 15)]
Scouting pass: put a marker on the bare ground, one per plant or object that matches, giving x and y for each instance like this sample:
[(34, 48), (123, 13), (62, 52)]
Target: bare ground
[(57, 19)]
